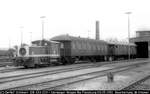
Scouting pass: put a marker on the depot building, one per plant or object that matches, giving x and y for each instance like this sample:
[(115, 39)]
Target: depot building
[(142, 40)]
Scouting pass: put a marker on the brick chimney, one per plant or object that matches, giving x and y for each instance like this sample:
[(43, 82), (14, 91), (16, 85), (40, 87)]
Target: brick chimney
[(97, 30)]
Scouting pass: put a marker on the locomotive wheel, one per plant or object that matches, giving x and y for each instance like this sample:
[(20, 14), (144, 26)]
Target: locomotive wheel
[(36, 66), (26, 67), (63, 61)]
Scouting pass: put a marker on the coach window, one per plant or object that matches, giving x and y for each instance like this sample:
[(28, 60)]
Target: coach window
[(73, 45), (84, 46), (96, 47), (79, 45), (105, 47), (89, 46), (45, 44), (93, 47), (61, 45), (102, 48)]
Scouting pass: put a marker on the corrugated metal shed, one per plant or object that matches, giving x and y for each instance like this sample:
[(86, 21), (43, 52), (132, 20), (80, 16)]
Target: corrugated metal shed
[(140, 39)]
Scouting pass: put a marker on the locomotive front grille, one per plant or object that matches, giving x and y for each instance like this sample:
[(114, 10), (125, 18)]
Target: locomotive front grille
[(22, 51)]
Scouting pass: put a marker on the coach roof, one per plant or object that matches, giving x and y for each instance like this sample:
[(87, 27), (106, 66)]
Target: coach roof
[(121, 43), (72, 38)]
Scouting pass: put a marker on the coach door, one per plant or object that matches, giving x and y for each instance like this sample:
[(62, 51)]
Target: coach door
[(111, 50), (65, 48)]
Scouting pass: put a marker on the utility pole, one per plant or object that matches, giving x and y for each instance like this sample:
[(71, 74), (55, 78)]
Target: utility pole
[(21, 27), (128, 13), (42, 19), (30, 37)]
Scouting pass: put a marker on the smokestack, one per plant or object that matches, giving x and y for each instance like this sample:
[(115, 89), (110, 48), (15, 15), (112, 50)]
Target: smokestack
[(97, 30)]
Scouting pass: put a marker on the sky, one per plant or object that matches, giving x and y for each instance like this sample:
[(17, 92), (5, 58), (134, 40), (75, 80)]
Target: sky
[(73, 17)]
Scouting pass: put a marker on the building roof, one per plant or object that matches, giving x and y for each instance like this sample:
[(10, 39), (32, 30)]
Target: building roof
[(140, 39), (143, 31)]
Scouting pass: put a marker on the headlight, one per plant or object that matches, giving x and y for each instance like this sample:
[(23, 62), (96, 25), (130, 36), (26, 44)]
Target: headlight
[(22, 51)]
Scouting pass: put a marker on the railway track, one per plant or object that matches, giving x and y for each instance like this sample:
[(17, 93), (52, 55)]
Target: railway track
[(9, 69), (42, 73), (72, 79), (4, 67), (3, 64), (138, 85)]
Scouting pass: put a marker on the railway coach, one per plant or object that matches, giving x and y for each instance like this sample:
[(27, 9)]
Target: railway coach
[(81, 49), (118, 50)]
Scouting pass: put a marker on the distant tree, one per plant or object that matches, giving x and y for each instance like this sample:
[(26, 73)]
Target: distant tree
[(24, 44), (16, 47), (116, 40), (112, 40), (11, 52)]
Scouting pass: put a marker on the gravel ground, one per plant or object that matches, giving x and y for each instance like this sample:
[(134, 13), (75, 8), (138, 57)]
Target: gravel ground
[(56, 76), (27, 71), (142, 86), (49, 77), (120, 80)]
